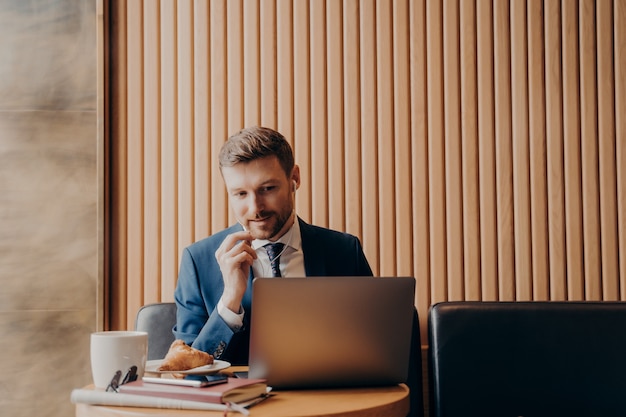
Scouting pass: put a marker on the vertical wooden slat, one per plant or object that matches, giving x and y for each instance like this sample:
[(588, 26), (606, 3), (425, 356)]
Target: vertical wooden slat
[(369, 129), (235, 75), (334, 106), (284, 72), (571, 153), (220, 118), (469, 150), (486, 150), (267, 57), (105, 42), (436, 156), (619, 44), (115, 292), (402, 135), (203, 159), (352, 124), (185, 123), (251, 60), (452, 151), (537, 148), (419, 160), (606, 152), (386, 139), (554, 153), (302, 106), (589, 152), (152, 155), (520, 152), (134, 268), (504, 166), (319, 126), (170, 256)]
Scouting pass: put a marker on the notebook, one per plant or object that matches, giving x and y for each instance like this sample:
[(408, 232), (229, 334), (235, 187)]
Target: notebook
[(319, 332), (234, 390)]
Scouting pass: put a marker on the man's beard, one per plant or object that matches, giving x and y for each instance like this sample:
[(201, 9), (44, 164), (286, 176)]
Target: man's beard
[(279, 220)]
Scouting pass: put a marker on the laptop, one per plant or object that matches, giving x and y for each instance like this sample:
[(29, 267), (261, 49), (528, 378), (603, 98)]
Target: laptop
[(319, 332)]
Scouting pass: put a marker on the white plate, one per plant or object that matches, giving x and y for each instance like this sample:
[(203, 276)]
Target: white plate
[(153, 368)]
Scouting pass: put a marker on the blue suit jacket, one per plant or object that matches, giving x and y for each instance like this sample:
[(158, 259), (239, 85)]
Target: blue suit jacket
[(200, 286)]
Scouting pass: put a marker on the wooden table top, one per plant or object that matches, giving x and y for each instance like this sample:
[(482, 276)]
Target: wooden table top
[(392, 401)]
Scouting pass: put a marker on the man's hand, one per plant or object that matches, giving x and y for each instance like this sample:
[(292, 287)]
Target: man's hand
[(235, 257)]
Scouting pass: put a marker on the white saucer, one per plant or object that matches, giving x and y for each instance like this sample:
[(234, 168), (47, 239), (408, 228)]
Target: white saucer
[(153, 368)]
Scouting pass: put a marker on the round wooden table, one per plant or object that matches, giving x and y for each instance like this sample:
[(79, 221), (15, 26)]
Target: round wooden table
[(392, 401)]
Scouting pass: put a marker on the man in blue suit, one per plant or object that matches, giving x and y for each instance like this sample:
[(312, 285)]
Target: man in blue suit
[(214, 290)]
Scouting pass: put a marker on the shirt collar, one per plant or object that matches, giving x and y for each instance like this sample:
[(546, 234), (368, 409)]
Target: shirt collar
[(291, 238)]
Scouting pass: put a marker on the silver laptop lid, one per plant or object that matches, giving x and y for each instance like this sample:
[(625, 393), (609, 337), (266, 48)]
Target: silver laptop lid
[(331, 331)]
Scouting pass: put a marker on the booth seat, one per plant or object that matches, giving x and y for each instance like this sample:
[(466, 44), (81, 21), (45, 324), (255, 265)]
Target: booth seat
[(527, 359)]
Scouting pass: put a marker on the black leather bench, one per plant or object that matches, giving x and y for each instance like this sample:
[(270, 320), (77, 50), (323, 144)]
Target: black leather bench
[(527, 359)]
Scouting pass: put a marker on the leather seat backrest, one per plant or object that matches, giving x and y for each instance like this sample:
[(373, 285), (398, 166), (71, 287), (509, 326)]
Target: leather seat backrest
[(527, 359)]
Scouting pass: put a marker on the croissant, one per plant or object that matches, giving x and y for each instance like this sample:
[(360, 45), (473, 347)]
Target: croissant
[(181, 357)]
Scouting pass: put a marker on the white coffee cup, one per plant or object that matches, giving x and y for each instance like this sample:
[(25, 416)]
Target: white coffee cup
[(113, 351)]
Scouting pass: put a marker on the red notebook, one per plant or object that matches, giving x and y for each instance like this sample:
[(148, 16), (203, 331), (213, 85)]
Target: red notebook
[(235, 390)]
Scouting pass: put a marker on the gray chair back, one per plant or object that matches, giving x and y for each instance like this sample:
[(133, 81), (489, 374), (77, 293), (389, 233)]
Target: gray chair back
[(158, 320)]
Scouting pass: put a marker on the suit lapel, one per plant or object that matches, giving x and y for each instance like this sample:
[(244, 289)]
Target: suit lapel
[(314, 264)]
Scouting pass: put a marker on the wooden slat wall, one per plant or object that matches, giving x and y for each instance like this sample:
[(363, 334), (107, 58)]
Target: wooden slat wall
[(479, 146)]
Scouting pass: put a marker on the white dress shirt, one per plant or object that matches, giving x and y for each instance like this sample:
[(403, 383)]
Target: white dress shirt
[(291, 265)]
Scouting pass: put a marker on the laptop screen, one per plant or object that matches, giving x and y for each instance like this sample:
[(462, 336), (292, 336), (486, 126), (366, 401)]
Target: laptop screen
[(331, 331)]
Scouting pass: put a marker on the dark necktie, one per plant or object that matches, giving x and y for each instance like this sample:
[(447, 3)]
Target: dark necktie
[(274, 251)]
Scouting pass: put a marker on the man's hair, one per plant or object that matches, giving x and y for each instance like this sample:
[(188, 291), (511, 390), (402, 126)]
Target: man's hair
[(254, 143)]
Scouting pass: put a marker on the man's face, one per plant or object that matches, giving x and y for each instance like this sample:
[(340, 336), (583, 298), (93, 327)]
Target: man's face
[(261, 196)]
